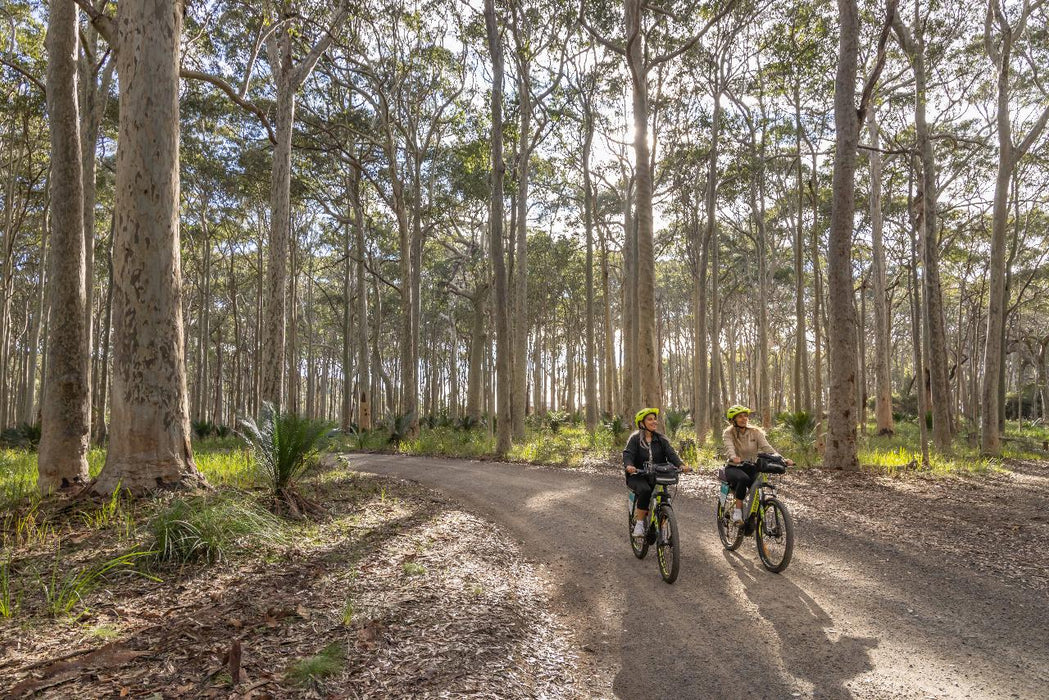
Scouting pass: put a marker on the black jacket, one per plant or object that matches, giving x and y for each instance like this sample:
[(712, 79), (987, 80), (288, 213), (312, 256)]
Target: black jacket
[(637, 455)]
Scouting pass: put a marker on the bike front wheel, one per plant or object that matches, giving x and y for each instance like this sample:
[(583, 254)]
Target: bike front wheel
[(731, 533), (638, 544), (668, 546), (775, 535)]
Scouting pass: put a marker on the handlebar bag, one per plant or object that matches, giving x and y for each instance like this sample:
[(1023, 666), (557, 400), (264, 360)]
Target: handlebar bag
[(665, 473), (771, 464)]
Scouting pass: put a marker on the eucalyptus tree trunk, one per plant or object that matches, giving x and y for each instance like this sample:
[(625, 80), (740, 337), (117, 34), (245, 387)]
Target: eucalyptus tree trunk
[(589, 353), (345, 416), (703, 419), (883, 385), (502, 325), (149, 444), (914, 46), (93, 97), (30, 407), (98, 427), (66, 406), (1043, 376), (648, 359), (519, 347), (364, 383), (1000, 54), (841, 434), (610, 393), (802, 387), (273, 357), (757, 204), (917, 326), (288, 77), (631, 399)]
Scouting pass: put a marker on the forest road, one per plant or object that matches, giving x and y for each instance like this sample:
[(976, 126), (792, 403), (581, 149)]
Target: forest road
[(854, 616)]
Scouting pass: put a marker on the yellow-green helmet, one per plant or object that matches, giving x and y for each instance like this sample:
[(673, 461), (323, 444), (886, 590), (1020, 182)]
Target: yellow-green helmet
[(734, 411), (640, 416)]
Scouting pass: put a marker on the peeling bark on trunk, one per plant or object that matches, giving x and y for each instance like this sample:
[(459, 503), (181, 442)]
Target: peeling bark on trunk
[(841, 435), (648, 356), (883, 385), (149, 445), (502, 325), (66, 407)]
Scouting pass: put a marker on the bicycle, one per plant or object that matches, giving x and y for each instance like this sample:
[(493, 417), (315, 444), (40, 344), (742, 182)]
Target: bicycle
[(764, 515), (661, 529)]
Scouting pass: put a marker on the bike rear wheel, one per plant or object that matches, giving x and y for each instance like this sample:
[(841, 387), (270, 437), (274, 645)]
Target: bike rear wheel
[(731, 533), (638, 544), (668, 546), (775, 535)]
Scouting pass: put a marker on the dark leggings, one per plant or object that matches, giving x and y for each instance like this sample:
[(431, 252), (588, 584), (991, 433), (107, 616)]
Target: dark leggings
[(640, 485), (740, 477)]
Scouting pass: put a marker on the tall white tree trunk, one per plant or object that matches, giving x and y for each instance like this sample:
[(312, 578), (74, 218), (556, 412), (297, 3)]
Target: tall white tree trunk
[(275, 334), (841, 435), (149, 439), (495, 223), (648, 357), (66, 408), (883, 386)]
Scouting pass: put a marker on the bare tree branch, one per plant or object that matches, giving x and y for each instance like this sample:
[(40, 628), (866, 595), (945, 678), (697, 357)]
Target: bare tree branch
[(228, 89)]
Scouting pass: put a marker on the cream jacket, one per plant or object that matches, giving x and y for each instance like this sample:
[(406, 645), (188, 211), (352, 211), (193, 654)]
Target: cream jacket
[(745, 444)]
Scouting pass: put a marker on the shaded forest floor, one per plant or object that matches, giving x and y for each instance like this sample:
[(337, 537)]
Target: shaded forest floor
[(400, 593), (396, 594)]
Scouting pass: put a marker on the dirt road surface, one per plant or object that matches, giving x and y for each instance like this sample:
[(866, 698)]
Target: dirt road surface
[(921, 596)]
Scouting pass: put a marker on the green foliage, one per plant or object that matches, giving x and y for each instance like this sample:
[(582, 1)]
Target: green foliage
[(450, 442), (109, 513), (208, 528), (62, 591), (226, 467), (801, 425), (412, 568), (616, 425), (285, 445), (18, 472), (25, 436), (327, 662), (8, 603), (397, 428), (673, 420)]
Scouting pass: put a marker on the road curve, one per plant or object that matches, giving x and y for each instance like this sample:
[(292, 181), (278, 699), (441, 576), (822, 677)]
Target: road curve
[(850, 618)]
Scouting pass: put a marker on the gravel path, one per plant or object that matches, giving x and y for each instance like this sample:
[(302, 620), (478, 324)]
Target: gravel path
[(898, 588)]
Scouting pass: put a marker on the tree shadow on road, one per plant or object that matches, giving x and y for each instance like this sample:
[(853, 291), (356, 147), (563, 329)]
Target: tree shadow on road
[(810, 647)]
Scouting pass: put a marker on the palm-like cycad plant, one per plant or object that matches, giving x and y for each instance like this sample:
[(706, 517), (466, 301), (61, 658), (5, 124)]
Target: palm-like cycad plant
[(802, 427), (673, 420), (285, 446)]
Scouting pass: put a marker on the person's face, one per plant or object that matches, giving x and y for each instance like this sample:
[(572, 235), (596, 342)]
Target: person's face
[(650, 422), (742, 419)]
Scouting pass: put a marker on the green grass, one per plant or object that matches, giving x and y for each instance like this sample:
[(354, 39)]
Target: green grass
[(8, 602), (327, 662), (223, 466), (209, 528), (411, 568), (450, 442), (64, 590)]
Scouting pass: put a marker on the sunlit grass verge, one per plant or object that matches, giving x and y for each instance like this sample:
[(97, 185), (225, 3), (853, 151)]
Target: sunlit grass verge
[(327, 662), (18, 470), (450, 442), (567, 445), (224, 466), (209, 528)]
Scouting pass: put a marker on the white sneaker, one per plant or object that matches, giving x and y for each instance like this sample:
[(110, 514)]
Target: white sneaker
[(639, 529), (737, 515)]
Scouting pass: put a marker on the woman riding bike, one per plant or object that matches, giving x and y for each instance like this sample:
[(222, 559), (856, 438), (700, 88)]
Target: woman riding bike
[(646, 446), (743, 442)]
